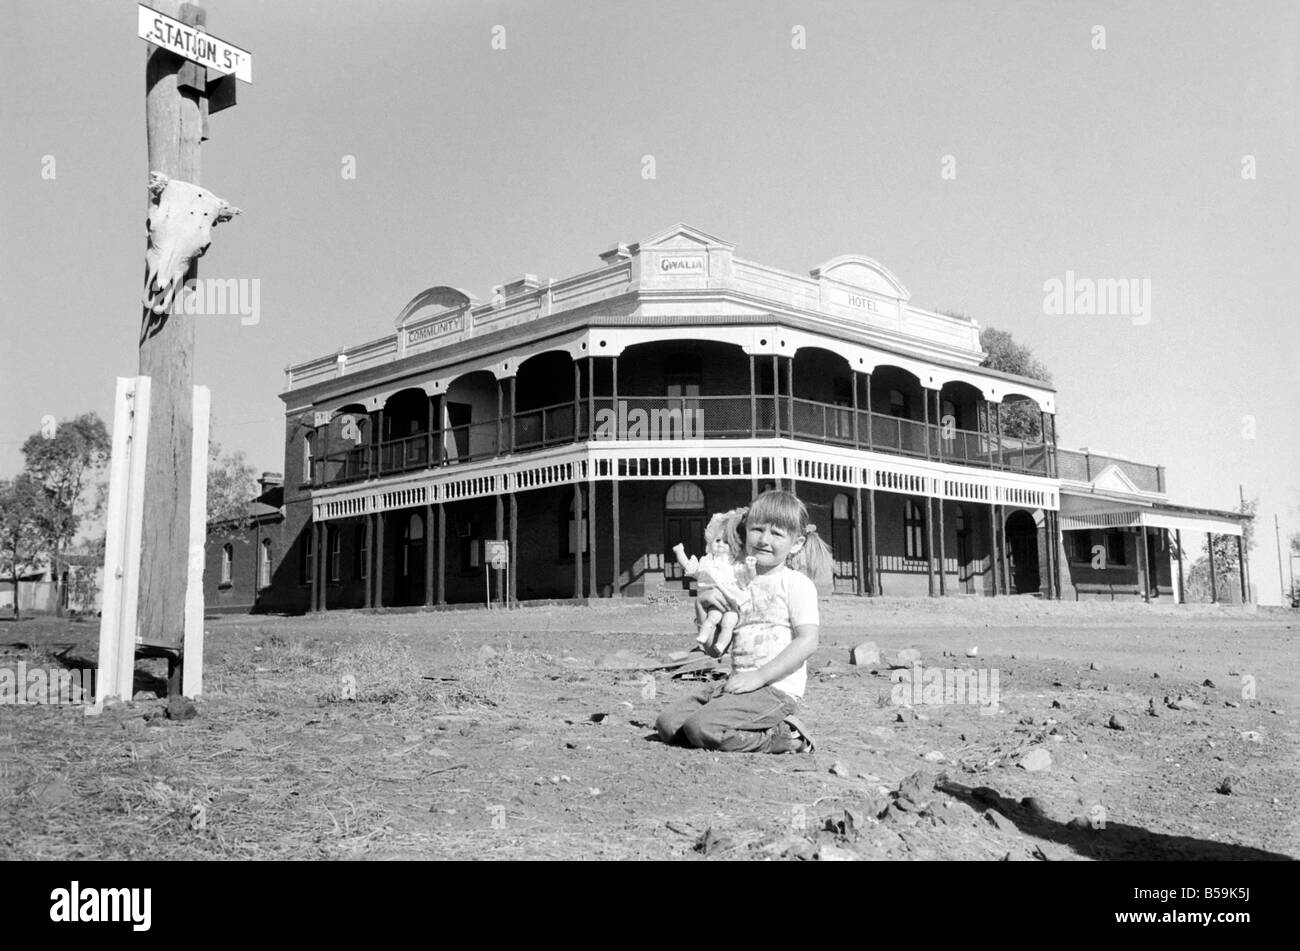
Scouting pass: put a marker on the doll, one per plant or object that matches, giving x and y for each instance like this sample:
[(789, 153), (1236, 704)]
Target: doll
[(720, 567)]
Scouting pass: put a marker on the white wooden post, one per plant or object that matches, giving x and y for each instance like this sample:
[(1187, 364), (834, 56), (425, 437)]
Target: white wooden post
[(125, 521), (192, 651)]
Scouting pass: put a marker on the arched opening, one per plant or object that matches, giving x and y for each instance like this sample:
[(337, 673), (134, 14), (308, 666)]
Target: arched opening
[(1022, 434), (544, 408), (823, 395), (350, 437), (962, 420), (406, 427), (469, 417), (227, 563), (898, 409), (684, 521), (1022, 552), (687, 389)]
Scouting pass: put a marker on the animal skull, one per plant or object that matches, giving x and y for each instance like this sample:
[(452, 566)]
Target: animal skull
[(180, 230)]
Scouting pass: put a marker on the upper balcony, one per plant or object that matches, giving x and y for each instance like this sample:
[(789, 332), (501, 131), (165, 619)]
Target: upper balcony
[(637, 418)]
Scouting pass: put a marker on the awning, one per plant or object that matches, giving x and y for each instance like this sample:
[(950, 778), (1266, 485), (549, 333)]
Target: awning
[(1154, 516)]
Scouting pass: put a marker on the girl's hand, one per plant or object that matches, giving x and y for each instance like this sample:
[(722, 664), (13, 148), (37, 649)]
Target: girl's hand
[(745, 681)]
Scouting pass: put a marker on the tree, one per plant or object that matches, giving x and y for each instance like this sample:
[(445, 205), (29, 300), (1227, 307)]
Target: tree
[(63, 465), (1020, 419), (22, 541), (232, 484), (1227, 566)]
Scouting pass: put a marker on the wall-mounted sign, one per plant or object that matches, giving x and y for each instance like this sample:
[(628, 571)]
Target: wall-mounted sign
[(682, 264), (862, 302), (439, 328)]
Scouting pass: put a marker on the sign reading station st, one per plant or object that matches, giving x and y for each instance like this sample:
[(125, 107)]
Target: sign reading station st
[(195, 45)]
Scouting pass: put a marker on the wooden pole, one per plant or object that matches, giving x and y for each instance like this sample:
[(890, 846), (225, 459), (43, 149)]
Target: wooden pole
[(368, 561), (943, 585), (1002, 541), (1214, 582), (873, 558), (1182, 588), (379, 559), (512, 585), (859, 555), (993, 549), (1145, 562), (174, 127), (428, 554), (929, 543), (575, 537), (442, 553), (500, 534), (1241, 569), (591, 539)]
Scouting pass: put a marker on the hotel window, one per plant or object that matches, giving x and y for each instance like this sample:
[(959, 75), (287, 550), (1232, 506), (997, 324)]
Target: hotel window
[(841, 534), (573, 529), (308, 554), (1116, 553), (949, 409), (913, 532), (308, 463), (468, 533), (683, 497), (264, 565), (363, 555), (897, 404), (1082, 542), (227, 563), (336, 551)]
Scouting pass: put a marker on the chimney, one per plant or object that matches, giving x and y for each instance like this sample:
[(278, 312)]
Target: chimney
[(269, 481)]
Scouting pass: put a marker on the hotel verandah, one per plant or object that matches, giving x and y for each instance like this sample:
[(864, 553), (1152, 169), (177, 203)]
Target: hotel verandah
[(596, 421)]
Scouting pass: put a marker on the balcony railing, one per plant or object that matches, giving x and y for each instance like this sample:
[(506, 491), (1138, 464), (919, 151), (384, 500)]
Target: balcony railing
[(675, 418)]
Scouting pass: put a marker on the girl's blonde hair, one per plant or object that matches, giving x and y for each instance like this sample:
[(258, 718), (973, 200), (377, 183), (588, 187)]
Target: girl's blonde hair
[(785, 510)]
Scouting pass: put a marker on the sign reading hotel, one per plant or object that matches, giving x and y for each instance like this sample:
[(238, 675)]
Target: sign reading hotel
[(862, 302), (438, 328), (195, 45), (681, 264)]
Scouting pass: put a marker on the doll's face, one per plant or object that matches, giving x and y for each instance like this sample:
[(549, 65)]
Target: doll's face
[(720, 547)]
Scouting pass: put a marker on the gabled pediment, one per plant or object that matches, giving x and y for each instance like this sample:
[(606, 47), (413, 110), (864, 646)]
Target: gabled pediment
[(681, 236), (858, 271), (435, 300), (1113, 479)]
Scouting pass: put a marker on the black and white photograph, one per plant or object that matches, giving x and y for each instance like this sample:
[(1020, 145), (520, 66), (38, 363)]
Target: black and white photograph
[(651, 431)]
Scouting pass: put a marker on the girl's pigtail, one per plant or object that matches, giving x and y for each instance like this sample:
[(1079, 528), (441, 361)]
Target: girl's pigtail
[(816, 561)]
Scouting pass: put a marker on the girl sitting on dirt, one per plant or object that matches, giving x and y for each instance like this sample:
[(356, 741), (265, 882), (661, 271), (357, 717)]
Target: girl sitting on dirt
[(753, 711)]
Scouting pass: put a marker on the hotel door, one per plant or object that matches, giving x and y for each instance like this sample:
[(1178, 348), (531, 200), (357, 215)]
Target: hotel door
[(965, 570), (410, 562)]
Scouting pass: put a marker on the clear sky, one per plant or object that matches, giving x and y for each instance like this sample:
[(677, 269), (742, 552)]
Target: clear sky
[(475, 165)]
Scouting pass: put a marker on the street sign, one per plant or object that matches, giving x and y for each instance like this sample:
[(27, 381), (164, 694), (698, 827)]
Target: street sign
[(195, 45), (496, 553)]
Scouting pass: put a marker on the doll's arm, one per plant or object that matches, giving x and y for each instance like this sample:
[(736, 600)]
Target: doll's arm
[(689, 565)]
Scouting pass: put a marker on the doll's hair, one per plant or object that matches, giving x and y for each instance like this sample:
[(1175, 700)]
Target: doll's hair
[(727, 526), (785, 510)]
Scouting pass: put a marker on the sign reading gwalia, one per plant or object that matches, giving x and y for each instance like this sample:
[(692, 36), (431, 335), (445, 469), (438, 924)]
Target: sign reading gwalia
[(193, 44)]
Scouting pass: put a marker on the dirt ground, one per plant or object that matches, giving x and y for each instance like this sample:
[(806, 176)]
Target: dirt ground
[(528, 734)]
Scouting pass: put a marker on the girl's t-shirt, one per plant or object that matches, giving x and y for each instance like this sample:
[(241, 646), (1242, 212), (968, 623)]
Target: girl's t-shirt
[(774, 604)]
